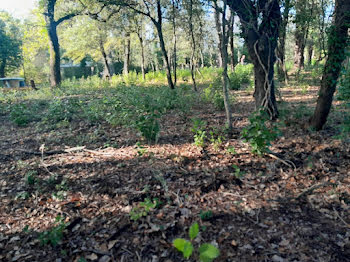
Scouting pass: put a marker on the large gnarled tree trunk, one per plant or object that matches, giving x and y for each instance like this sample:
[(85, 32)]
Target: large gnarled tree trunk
[(261, 21), (338, 41)]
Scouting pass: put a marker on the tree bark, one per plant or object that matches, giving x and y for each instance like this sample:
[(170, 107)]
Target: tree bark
[(143, 71), (232, 43), (281, 48), (218, 29), (193, 45), (224, 35), (338, 41), (106, 69), (260, 32), (158, 26), (175, 43), (55, 58), (2, 68), (126, 54)]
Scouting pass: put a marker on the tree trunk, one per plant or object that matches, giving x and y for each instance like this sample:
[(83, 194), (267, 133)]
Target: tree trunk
[(232, 43), (142, 56), (175, 44), (165, 55), (281, 49), (55, 57), (224, 58), (218, 29), (261, 44), (338, 41), (2, 68), (126, 54), (310, 53), (106, 68), (193, 46)]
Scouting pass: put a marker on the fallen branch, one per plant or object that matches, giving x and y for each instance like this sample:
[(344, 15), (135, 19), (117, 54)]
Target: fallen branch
[(309, 190), (286, 162), (53, 152)]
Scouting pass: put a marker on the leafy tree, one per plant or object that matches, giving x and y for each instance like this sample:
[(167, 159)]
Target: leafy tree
[(338, 41), (52, 22), (35, 48), (10, 44)]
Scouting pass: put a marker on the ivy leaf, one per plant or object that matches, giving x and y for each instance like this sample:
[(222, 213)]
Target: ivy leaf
[(194, 230), (208, 252)]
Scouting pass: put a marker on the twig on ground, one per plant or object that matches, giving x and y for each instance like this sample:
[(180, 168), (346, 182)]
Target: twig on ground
[(341, 219), (286, 162)]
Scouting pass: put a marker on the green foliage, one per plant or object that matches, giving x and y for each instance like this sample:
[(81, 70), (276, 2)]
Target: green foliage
[(10, 44), (241, 76), (148, 125), (199, 132), (143, 208), (206, 215), (20, 115), (215, 139), (214, 93), (231, 150), (31, 178), (141, 150), (55, 234), (344, 86), (258, 134), (207, 252), (238, 173)]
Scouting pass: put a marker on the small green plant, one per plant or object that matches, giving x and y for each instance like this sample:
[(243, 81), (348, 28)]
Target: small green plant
[(258, 134), (141, 150), (304, 89), (22, 195), (215, 139), (199, 132), (238, 173), (206, 215), (143, 208), (207, 252), (55, 234), (231, 150), (31, 178)]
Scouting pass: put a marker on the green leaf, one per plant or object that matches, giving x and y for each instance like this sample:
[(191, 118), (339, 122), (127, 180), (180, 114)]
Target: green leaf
[(179, 244), (184, 246), (208, 253), (188, 249), (194, 230)]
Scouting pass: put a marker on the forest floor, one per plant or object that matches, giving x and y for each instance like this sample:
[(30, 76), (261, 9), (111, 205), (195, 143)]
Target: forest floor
[(252, 208)]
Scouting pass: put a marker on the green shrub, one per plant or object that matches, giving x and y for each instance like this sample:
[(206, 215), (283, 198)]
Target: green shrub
[(214, 93), (20, 114), (242, 75), (199, 132), (258, 134)]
